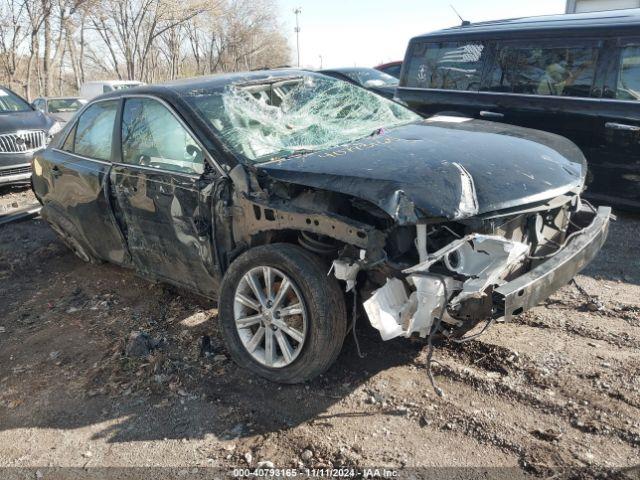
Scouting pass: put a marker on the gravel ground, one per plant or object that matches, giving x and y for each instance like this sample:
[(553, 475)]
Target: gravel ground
[(14, 197), (556, 392)]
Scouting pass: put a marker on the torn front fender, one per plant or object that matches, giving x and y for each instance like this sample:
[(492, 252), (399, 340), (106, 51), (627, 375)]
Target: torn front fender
[(252, 216)]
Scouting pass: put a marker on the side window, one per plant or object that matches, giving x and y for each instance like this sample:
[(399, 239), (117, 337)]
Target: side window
[(393, 70), (447, 65), (558, 70), (153, 137), (67, 146), (94, 130), (629, 77)]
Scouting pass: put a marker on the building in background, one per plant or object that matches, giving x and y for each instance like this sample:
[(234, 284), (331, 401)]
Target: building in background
[(581, 6)]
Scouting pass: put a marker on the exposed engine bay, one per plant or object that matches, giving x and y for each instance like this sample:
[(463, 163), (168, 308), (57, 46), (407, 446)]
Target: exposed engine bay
[(437, 276), (457, 269)]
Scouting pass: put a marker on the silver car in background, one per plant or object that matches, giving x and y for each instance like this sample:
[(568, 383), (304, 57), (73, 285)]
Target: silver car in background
[(23, 132), (61, 109)]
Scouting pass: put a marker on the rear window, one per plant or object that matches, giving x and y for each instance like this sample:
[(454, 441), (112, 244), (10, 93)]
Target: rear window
[(629, 79), (446, 65), (554, 69)]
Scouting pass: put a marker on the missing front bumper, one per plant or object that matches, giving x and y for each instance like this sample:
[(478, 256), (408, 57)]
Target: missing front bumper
[(538, 284)]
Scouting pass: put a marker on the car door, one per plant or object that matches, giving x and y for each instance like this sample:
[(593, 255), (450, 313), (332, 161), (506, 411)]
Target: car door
[(616, 163), (163, 196), (72, 181)]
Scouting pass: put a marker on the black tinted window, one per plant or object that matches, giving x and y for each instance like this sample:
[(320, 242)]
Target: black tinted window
[(68, 143), (153, 137), (94, 131), (446, 65), (393, 70), (629, 79), (544, 70)]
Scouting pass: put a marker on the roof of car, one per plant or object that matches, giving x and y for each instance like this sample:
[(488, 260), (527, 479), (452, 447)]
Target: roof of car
[(388, 64), (629, 17), (345, 69), (210, 82), (70, 97), (113, 82)]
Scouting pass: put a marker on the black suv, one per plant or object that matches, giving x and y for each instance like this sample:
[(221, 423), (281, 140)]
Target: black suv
[(574, 75)]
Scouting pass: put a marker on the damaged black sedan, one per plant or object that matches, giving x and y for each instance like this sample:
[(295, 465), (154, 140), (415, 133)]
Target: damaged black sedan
[(288, 195)]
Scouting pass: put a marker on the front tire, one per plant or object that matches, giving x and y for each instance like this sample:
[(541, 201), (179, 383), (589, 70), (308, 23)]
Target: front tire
[(282, 316)]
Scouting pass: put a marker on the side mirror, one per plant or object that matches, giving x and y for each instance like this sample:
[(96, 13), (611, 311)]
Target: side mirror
[(373, 83)]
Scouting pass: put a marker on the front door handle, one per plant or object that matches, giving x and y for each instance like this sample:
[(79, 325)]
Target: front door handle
[(622, 127), (491, 115)]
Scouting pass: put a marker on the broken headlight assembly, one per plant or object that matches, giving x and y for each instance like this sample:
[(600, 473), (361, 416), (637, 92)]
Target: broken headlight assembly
[(447, 281)]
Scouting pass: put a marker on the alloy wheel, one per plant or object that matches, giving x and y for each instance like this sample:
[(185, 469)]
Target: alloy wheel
[(270, 316)]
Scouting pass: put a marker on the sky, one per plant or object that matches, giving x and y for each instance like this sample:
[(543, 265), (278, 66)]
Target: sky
[(365, 33)]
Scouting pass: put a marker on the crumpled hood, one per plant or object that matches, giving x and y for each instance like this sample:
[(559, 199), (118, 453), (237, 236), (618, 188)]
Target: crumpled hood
[(443, 167), (30, 120)]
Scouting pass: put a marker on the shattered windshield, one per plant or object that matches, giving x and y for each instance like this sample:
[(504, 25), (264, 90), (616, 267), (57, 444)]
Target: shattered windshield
[(281, 117)]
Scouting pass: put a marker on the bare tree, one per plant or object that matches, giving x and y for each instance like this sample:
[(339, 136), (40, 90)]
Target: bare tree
[(129, 28), (14, 30), (56, 45)]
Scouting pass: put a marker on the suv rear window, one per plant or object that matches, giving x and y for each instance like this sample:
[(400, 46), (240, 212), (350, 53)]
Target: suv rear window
[(446, 65), (553, 69), (629, 80)]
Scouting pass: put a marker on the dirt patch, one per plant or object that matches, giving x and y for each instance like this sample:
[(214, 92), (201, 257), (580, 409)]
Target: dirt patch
[(13, 197), (557, 389)]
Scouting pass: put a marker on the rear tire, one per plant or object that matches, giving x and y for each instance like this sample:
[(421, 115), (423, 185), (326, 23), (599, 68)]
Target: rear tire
[(318, 335)]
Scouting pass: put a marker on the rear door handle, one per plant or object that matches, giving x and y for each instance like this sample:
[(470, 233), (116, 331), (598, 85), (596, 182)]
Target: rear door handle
[(622, 127), (491, 115), (55, 171)]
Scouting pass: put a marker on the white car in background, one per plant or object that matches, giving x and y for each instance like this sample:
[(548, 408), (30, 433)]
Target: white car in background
[(90, 90), (61, 109)]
